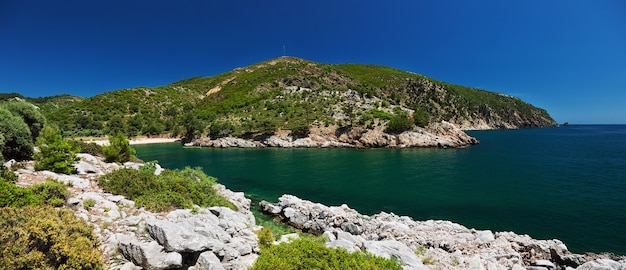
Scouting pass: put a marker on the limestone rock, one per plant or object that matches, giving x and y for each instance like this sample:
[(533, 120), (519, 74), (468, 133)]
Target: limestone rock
[(175, 237), (394, 249), (150, 256), (207, 261)]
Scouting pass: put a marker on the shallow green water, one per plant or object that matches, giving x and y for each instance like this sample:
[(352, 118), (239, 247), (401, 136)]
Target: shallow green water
[(567, 183)]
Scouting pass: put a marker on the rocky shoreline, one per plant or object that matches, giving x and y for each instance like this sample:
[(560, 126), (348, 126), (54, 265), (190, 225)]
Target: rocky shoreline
[(220, 238), (132, 238), (442, 134), (433, 243)]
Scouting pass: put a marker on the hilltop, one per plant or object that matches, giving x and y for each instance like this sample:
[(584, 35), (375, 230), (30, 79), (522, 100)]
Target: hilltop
[(298, 98)]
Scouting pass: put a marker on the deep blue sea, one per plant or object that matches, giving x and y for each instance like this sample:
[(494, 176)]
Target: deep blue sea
[(567, 183)]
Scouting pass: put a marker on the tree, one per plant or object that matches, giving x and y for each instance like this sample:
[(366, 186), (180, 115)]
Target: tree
[(220, 129), (399, 123), (118, 150), (55, 153), (1, 146), (29, 114), (421, 118), (18, 143), (115, 126)]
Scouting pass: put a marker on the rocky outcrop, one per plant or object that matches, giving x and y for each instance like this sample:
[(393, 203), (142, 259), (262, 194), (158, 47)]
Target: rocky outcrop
[(131, 238), (434, 243), (441, 134)]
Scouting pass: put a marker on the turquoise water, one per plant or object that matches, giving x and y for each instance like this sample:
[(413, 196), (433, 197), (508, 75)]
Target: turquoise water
[(567, 183)]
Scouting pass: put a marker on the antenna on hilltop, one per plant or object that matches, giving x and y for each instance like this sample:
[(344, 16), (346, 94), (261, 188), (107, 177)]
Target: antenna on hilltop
[(284, 51)]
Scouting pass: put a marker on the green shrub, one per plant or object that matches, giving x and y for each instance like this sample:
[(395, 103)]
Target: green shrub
[(51, 192), (421, 117), (18, 143), (118, 150), (7, 174), (89, 203), (171, 189), (45, 238), (93, 149), (399, 124), (266, 237), (308, 253), (15, 196), (55, 153), (221, 129), (29, 114)]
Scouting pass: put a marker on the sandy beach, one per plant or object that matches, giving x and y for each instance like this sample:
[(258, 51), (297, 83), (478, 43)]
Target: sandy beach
[(142, 140)]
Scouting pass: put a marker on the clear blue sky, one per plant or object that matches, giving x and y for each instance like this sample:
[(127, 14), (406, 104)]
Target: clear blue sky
[(567, 56)]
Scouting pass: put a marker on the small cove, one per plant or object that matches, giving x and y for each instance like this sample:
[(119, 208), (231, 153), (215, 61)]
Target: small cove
[(566, 183)]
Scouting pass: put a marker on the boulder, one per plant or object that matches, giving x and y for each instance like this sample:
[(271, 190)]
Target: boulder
[(83, 167), (394, 249), (207, 261), (67, 179), (483, 237), (175, 237), (150, 255), (602, 264)]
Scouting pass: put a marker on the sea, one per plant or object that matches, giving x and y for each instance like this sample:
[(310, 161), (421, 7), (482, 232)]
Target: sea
[(566, 183)]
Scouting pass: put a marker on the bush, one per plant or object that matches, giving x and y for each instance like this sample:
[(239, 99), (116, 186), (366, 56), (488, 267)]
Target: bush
[(89, 203), (118, 150), (15, 196), (400, 123), (18, 143), (55, 153), (308, 253), (172, 189), (51, 192), (421, 117), (266, 238), (45, 238), (29, 114), (221, 129), (93, 149), (7, 174)]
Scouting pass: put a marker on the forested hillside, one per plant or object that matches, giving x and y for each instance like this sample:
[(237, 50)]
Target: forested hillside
[(295, 95)]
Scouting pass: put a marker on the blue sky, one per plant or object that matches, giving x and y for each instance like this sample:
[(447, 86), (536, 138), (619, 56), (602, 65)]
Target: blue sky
[(566, 56)]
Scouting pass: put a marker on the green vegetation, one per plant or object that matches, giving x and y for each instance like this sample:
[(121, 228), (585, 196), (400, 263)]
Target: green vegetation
[(18, 143), (399, 123), (266, 237), (118, 150), (89, 203), (421, 118), (169, 190), (29, 114), (49, 193), (310, 253), (35, 237), (283, 94), (55, 153)]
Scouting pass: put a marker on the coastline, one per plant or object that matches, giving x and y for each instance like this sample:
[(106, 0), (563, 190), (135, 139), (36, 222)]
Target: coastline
[(140, 140)]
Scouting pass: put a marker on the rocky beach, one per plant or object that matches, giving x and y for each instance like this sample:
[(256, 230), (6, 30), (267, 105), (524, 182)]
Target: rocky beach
[(220, 238)]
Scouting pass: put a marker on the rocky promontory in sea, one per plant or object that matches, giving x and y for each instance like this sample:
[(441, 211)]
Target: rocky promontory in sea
[(220, 238), (442, 134)]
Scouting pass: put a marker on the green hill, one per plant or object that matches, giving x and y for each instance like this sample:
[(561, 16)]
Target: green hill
[(294, 95)]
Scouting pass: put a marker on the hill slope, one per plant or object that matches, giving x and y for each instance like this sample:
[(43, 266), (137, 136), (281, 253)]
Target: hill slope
[(299, 96)]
